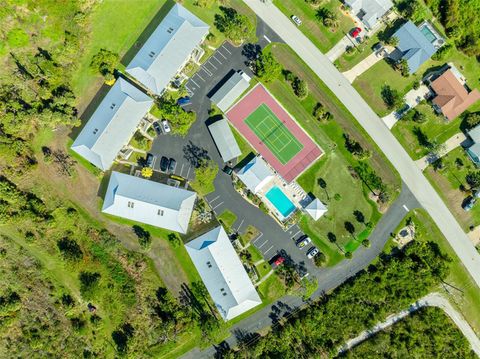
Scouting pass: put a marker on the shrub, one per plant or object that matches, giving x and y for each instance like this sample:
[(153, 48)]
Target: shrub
[(300, 88), (321, 113), (233, 25), (267, 68), (174, 240), (88, 283), (144, 237), (391, 97), (70, 249), (104, 62)]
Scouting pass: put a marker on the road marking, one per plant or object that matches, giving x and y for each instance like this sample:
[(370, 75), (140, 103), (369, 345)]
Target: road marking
[(218, 205), (188, 172), (267, 250), (190, 92), (266, 38), (218, 52), (181, 169), (207, 71), (212, 65), (261, 245), (406, 208), (256, 239), (201, 78), (296, 234), (217, 60), (238, 228), (191, 79), (223, 47), (213, 199)]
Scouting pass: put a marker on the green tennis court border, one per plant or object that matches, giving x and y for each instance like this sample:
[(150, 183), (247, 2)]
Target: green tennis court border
[(273, 133)]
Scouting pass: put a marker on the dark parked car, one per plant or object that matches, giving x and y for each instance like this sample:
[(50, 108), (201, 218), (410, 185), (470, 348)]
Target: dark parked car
[(172, 164), (468, 204), (157, 128), (228, 170), (149, 160), (164, 163)]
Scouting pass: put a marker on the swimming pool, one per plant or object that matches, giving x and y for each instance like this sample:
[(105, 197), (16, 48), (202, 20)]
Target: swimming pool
[(280, 201), (428, 33)]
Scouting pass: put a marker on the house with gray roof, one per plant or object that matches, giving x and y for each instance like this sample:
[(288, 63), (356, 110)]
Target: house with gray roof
[(112, 125), (255, 174), (224, 140), (149, 202), (416, 44), (474, 150), (369, 11), (223, 273), (168, 49), (232, 89)]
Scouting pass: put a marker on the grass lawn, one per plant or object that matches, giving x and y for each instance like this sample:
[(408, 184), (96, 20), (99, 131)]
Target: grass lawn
[(242, 144), (447, 182), (320, 35), (363, 50), (263, 269), (435, 128), (462, 290), (228, 218), (255, 253)]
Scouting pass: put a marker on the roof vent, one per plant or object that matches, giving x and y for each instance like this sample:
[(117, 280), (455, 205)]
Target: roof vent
[(209, 264), (95, 131), (112, 106), (170, 30), (151, 54)]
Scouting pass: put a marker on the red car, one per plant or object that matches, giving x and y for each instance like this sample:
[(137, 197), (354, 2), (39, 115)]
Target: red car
[(355, 32), (279, 261)]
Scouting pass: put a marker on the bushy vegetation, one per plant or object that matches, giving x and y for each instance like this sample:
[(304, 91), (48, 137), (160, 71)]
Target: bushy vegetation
[(181, 120), (236, 27), (266, 67), (427, 333), (386, 287), (205, 175)]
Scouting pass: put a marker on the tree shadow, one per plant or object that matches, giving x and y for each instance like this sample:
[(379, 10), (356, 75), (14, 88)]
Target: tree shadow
[(251, 52), (194, 154)]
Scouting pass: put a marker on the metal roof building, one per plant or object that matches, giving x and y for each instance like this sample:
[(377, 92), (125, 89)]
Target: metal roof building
[(168, 49), (112, 124), (224, 140), (226, 95), (369, 11), (223, 273), (255, 174), (316, 209), (149, 202)]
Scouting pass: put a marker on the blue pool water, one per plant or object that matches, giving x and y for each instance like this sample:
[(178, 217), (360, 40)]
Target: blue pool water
[(280, 201)]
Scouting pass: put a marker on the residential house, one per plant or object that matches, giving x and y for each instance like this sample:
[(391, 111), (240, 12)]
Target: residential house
[(223, 273), (112, 125), (369, 11), (452, 96), (149, 202), (416, 44), (168, 49), (474, 150)]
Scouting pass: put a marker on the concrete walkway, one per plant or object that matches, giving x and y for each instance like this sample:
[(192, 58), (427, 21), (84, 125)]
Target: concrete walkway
[(412, 98), (452, 143), (365, 64), (374, 126), (340, 47), (431, 300)]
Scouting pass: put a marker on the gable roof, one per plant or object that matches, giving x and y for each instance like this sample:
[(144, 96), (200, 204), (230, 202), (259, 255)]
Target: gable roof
[(373, 9), (316, 209), (224, 140), (226, 95), (415, 47), (153, 203), (167, 49), (112, 124), (451, 96), (255, 174), (223, 273)]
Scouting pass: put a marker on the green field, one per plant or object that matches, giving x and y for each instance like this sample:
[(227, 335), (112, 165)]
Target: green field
[(271, 131)]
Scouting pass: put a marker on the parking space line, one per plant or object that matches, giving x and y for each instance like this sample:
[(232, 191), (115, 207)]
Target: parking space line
[(181, 169), (201, 78), (208, 62), (266, 38), (218, 52), (188, 172), (256, 239), (296, 234), (213, 199), (190, 92), (405, 208), (223, 47), (217, 60), (267, 250), (191, 79), (238, 228), (261, 245), (218, 205), (207, 71)]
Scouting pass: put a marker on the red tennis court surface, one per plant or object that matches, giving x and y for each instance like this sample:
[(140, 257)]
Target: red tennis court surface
[(249, 103)]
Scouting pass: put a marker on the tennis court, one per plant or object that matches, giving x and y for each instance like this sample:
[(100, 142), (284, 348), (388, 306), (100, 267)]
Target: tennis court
[(271, 131)]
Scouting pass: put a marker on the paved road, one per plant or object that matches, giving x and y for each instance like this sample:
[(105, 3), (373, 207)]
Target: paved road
[(328, 278), (408, 170), (430, 300)]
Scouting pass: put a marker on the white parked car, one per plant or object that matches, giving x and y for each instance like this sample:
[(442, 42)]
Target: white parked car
[(296, 20), (165, 126), (312, 252)]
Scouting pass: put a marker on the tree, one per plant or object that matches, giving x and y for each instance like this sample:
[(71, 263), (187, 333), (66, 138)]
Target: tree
[(391, 97), (144, 237), (392, 41), (180, 119), (266, 67), (418, 117), (147, 172), (321, 113), (320, 259), (300, 88), (233, 25), (348, 255), (472, 119), (408, 8), (359, 216), (88, 283), (402, 66), (174, 239), (473, 179), (349, 227), (205, 175), (323, 185), (104, 62), (328, 18), (366, 243), (70, 249)]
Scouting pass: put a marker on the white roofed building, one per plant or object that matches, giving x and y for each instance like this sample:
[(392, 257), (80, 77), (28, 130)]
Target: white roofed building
[(224, 140), (316, 209), (149, 202), (255, 174), (369, 11), (232, 89), (223, 273), (168, 49), (112, 125)]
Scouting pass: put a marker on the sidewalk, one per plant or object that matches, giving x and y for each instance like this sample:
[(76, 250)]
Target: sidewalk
[(364, 65), (452, 143)]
